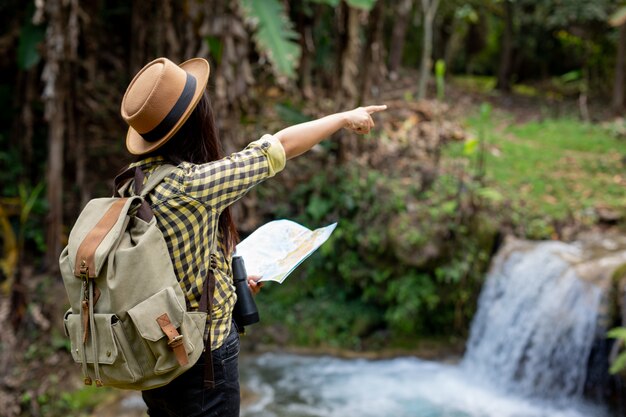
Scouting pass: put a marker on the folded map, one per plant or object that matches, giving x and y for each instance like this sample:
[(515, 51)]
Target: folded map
[(275, 249)]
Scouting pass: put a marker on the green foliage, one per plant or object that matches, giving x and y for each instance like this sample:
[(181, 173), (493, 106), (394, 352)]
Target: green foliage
[(362, 4), (84, 398), (359, 4), (619, 364), (440, 78), (216, 48), (476, 83), (27, 51), (17, 227), (387, 268), (77, 403), (560, 13), (274, 35), (333, 3), (12, 169), (548, 172), (290, 114)]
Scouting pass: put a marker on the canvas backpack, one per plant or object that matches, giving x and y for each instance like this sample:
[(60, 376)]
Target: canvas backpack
[(128, 323)]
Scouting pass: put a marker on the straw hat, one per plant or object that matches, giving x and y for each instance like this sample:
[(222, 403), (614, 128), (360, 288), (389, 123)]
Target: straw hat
[(160, 99)]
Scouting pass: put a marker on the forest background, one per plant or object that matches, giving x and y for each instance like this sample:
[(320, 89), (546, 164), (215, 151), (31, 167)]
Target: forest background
[(505, 117)]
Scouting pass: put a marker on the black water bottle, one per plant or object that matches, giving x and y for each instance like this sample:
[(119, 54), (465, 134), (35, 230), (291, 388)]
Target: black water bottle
[(245, 312)]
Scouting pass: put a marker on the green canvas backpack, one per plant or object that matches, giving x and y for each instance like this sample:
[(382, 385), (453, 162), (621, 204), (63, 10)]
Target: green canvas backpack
[(128, 324)]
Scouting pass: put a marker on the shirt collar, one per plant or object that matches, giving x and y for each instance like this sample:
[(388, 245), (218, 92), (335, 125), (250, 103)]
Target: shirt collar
[(149, 162)]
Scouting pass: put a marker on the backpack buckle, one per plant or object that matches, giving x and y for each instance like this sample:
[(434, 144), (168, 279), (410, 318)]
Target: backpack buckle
[(83, 271), (176, 341)]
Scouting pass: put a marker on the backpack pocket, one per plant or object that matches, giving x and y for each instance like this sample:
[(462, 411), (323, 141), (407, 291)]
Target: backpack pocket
[(144, 317), (114, 355)]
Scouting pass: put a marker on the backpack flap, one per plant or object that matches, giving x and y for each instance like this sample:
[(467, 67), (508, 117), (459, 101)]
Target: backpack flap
[(145, 314), (155, 318), (90, 245)]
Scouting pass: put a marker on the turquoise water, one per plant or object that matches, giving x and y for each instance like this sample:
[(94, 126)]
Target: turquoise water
[(300, 386)]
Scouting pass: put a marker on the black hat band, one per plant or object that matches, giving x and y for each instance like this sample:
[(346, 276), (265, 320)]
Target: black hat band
[(163, 128)]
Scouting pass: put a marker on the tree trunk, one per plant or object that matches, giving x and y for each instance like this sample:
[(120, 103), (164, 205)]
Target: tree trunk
[(398, 35), (351, 58), (618, 86), (430, 9), (173, 50), (54, 98), (30, 81), (349, 90), (139, 35), (373, 67), (307, 45), (455, 42), (506, 57)]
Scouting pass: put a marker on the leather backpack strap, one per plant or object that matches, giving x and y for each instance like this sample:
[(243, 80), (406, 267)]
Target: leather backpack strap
[(85, 266), (206, 304), (122, 182), (137, 174), (174, 339)]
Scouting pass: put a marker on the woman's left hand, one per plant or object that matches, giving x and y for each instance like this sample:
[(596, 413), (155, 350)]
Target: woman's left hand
[(254, 284)]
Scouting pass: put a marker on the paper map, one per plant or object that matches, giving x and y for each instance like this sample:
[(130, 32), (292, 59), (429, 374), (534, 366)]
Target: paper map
[(275, 249)]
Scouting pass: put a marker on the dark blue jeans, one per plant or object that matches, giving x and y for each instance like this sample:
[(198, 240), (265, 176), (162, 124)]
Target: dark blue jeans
[(186, 396)]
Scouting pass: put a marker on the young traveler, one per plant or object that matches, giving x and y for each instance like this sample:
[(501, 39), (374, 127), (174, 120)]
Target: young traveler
[(170, 120)]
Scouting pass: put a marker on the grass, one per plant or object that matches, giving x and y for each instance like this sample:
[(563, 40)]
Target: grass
[(475, 83), (552, 171)]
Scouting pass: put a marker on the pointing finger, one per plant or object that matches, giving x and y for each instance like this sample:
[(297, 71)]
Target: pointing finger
[(374, 109)]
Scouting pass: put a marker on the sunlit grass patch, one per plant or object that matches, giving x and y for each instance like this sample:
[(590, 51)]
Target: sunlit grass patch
[(475, 83), (554, 169)]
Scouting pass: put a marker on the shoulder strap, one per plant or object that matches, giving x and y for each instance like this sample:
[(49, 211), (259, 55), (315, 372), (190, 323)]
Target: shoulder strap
[(155, 178), (122, 183)]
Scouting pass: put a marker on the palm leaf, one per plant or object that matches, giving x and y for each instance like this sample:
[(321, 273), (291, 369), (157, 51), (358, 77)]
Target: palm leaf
[(617, 333), (362, 4), (619, 364), (28, 46), (357, 4), (333, 3), (274, 37)]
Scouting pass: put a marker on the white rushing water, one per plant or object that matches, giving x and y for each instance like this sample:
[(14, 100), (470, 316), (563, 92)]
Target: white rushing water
[(535, 324), (298, 386), (526, 356)]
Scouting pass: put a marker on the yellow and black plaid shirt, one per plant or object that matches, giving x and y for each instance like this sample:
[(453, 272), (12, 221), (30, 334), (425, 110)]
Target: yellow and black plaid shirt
[(187, 206)]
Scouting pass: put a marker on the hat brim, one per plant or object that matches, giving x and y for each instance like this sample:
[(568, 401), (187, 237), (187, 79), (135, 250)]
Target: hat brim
[(200, 69)]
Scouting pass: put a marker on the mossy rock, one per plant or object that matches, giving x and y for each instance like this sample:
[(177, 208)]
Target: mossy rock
[(417, 240)]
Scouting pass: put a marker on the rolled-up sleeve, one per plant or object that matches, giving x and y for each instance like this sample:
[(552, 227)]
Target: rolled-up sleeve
[(274, 151), (221, 183)]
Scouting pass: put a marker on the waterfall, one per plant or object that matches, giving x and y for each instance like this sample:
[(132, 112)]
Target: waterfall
[(537, 344), (536, 322)]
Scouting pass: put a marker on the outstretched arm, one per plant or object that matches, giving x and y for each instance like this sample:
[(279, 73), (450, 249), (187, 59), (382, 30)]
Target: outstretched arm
[(298, 139)]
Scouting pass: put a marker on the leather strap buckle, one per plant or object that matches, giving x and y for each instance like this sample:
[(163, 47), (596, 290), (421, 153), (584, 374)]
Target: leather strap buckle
[(176, 341)]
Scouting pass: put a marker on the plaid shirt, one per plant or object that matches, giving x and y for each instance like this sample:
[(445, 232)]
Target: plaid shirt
[(187, 206)]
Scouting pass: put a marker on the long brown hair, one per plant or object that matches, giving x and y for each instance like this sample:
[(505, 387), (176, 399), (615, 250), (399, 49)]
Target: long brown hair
[(197, 141)]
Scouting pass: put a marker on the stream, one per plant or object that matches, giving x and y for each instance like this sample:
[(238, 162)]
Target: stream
[(532, 351), (303, 386)]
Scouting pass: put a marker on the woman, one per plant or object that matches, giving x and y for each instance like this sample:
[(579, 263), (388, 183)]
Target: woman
[(170, 121)]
